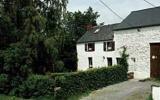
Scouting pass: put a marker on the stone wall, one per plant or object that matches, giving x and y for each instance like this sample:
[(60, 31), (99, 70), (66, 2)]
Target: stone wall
[(137, 42)]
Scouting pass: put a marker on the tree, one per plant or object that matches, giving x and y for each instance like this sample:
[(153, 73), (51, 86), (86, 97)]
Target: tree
[(75, 26)]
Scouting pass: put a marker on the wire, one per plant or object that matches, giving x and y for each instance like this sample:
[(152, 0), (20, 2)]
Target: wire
[(129, 24), (111, 9), (149, 3)]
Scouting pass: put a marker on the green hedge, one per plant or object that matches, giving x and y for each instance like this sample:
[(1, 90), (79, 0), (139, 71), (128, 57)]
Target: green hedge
[(70, 83), (35, 86), (80, 82)]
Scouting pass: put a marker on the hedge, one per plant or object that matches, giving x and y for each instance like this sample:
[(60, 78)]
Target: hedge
[(70, 83), (80, 82), (35, 86)]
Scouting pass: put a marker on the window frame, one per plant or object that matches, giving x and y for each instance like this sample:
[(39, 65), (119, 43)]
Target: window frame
[(90, 62), (110, 64), (108, 44), (87, 48), (118, 59)]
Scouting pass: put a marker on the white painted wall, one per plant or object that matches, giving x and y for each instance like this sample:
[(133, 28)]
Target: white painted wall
[(138, 47), (96, 55)]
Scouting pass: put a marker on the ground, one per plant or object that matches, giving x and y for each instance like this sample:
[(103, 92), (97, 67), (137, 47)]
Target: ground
[(129, 90)]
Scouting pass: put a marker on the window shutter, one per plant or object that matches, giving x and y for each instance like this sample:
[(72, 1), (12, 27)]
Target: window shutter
[(104, 46), (113, 45), (85, 47), (93, 47)]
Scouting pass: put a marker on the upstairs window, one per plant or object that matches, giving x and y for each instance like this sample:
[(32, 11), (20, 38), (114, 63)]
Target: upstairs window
[(89, 47), (109, 46)]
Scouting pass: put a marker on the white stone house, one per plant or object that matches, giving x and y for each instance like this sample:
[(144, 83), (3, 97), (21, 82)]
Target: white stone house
[(140, 34), (96, 48)]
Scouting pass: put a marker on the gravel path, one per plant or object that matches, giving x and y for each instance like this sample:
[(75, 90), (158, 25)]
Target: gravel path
[(129, 90)]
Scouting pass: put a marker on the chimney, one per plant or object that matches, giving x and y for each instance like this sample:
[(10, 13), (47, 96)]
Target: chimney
[(89, 27)]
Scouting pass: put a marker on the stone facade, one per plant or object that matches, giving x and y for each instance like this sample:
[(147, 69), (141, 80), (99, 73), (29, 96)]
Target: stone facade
[(137, 42)]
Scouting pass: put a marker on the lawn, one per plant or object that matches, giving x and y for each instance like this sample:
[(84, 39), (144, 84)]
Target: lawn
[(4, 97)]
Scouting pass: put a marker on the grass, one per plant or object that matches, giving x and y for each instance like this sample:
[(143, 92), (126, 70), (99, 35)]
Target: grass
[(4, 97), (75, 97), (150, 96)]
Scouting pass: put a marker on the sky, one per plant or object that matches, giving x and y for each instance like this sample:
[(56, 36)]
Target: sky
[(122, 7)]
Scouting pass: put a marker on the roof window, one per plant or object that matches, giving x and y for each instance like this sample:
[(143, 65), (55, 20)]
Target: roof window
[(96, 31)]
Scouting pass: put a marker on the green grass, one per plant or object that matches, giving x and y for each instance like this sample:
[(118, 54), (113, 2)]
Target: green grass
[(77, 97), (4, 97)]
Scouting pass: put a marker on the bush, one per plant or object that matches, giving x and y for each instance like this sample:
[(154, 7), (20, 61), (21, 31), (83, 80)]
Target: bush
[(35, 86), (77, 83), (70, 83), (4, 88)]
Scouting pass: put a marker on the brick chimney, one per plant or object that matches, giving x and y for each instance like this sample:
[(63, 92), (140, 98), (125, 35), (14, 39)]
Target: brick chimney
[(89, 27)]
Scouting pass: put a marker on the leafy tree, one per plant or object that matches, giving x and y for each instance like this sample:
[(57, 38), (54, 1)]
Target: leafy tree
[(27, 26), (75, 26)]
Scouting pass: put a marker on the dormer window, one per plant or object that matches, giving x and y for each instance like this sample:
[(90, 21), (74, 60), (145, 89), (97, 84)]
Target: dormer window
[(96, 31), (89, 47), (109, 46)]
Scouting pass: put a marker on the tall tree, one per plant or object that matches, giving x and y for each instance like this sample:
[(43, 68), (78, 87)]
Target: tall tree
[(75, 26)]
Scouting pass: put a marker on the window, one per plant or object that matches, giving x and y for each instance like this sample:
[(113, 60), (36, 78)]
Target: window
[(118, 60), (89, 47), (90, 62), (109, 60), (96, 31), (109, 46)]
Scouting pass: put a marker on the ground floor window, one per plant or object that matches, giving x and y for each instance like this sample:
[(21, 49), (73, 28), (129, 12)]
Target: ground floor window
[(118, 60), (90, 60), (109, 60)]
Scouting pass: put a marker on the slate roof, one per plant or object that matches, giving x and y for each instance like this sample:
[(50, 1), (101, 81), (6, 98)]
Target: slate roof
[(105, 33), (141, 18)]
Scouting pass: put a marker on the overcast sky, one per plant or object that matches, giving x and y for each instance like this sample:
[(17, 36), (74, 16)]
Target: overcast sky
[(122, 7)]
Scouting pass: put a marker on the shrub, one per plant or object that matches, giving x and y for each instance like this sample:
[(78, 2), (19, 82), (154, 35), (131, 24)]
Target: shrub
[(4, 88), (70, 83), (77, 83), (35, 86), (124, 59)]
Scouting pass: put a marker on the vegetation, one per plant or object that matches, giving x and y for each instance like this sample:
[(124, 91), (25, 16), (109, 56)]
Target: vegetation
[(70, 84), (124, 59), (38, 37)]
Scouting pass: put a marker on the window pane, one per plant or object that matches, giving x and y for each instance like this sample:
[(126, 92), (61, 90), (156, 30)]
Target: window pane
[(118, 60), (104, 46), (90, 46), (109, 61), (110, 46), (90, 62)]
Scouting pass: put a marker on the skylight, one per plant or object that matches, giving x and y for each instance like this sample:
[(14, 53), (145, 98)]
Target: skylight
[(97, 30)]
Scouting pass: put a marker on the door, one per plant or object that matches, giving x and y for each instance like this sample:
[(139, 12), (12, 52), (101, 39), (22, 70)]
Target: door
[(155, 60)]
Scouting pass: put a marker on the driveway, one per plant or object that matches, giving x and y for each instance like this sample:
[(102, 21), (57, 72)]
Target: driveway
[(129, 90)]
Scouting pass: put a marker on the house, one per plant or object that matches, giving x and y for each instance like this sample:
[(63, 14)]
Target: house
[(96, 48), (139, 33)]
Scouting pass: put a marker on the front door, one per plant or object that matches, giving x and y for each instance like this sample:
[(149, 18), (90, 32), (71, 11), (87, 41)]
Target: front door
[(155, 60)]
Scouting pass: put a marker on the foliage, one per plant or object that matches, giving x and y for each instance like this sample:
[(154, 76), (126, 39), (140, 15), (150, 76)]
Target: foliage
[(77, 83), (70, 83), (3, 83), (149, 97), (124, 59), (75, 24), (35, 86), (17, 62)]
